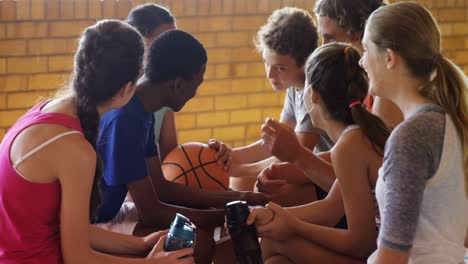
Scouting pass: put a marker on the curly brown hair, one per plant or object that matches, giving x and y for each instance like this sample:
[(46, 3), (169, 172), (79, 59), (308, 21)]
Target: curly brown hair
[(289, 31), (351, 15)]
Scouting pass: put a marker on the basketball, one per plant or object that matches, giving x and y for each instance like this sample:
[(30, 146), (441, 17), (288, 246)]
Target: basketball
[(194, 164)]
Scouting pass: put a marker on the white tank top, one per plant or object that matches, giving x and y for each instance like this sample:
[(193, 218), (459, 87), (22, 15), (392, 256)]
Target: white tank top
[(443, 217)]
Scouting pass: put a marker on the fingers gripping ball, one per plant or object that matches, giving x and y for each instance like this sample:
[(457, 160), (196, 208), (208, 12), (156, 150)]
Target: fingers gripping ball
[(194, 164)]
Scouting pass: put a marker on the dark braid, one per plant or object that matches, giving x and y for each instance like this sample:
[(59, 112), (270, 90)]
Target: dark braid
[(333, 71), (109, 56)]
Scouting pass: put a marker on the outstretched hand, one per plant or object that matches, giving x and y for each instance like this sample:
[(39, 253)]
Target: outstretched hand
[(281, 141)]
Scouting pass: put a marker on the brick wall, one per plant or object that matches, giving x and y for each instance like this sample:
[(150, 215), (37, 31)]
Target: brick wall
[(38, 39)]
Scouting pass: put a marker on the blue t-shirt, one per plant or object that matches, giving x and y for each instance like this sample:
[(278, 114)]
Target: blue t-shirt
[(126, 138)]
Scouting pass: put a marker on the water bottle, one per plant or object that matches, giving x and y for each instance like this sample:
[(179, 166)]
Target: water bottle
[(244, 237), (182, 234)]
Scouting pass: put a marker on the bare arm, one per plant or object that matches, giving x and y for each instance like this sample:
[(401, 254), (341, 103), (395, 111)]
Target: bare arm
[(326, 212), (251, 170), (249, 154), (352, 174), (254, 152), (153, 212), (353, 177), (318, 170), (109, 242), (387, 111), (283, 143), (167, 135), (75, 172), (170, 192), (309, 140)]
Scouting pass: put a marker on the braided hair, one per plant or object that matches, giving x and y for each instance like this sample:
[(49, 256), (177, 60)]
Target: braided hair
[(109, 55)]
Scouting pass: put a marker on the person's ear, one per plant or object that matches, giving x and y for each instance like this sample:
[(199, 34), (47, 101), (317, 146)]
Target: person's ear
[(178, 86), (391, 58), (315, 96)]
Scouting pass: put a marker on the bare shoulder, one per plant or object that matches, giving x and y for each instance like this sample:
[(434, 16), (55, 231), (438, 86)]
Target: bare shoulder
[(350, 146), (76, 160), (77, 147)]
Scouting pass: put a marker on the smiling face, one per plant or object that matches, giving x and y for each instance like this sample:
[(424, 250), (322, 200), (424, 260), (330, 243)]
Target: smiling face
[(373, 61), (282, 71)]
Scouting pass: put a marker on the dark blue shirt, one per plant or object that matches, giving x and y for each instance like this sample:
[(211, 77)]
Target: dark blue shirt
[(126, 138)]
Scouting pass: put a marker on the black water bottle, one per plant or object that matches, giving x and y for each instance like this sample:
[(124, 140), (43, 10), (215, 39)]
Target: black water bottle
[(244, 237)]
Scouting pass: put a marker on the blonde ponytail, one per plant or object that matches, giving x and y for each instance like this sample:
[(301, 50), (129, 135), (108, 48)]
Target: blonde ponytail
[(451, 93)]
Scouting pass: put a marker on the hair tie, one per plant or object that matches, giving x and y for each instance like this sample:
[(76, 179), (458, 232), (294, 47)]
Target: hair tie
[(437, 59), (353, 104)]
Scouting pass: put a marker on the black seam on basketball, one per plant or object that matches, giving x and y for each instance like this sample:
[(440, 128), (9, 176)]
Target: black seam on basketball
[(184, 173), (191, 165), (206, 172)]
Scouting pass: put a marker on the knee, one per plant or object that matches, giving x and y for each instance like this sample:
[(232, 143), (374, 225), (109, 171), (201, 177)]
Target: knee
[(204, 248)]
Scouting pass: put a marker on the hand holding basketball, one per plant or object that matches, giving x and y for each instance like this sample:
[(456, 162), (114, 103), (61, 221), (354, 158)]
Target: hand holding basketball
[(223, 155), (195, 164)]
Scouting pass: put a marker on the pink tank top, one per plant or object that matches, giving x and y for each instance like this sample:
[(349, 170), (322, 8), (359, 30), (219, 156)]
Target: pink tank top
[(29, 212)]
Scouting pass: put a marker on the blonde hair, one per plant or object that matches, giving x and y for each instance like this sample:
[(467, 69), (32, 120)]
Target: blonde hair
[(410, 30)]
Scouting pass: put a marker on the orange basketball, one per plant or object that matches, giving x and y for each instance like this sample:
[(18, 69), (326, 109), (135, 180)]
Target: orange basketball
[(194, 164)]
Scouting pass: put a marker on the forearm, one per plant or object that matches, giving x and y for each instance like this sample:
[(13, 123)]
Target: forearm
[(178, 194), (101, 244), (252, 170), (160, 215), (339, 240), (109, 242), (249, 154), (320, 213), (317, 170), (99, 258)]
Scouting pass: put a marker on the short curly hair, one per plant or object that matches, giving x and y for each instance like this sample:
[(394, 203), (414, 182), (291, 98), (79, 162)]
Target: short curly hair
[(289, 31), (351, 15)]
